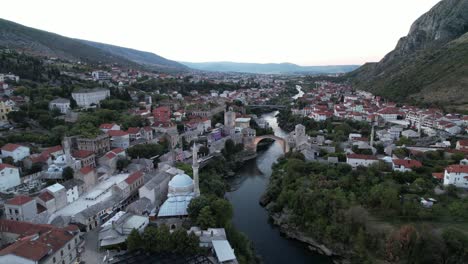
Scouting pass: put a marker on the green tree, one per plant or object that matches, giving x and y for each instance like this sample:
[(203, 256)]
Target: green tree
[(67, 173), (150, 239), (122, 163), (134, 241), (222, 211), (163, 239), (206, 219)]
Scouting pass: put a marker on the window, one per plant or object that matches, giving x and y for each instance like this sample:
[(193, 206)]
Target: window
[(61, 253), (69, 247), (53, 260)]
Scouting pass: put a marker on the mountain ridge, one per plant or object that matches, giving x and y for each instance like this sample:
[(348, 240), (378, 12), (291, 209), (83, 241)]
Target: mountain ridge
[(43, 43), (429, 65), (267, 68)]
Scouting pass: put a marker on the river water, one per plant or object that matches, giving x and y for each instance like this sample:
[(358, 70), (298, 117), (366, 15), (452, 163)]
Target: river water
[(252, 219)]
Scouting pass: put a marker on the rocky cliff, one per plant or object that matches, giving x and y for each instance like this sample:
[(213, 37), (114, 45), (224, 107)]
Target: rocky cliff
[(429, 65)]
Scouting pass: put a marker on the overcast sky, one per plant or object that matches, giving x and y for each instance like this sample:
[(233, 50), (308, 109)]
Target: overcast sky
[(306, 32)]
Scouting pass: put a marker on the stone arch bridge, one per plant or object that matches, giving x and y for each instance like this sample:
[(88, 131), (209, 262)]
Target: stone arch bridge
[(282, 141)]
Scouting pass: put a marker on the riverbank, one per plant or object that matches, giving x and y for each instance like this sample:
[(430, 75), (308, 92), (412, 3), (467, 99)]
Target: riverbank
[(247, 186)]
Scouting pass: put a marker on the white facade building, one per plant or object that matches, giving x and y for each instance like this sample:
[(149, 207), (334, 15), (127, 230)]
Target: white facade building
[(355, 160), (17, 152), (60, 103), (456, 175), (88, 98), (101, 75), (9, 176)]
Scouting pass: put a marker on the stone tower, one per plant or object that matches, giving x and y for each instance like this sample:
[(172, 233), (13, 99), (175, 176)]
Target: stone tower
[(300, 135), (248, 139), (229, 119), (195, 167)]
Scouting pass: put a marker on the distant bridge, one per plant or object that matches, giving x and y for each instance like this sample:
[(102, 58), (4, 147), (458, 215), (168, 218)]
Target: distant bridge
[(267, 106)]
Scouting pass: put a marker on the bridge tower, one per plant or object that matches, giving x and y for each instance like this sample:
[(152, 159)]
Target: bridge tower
[(248, 139)]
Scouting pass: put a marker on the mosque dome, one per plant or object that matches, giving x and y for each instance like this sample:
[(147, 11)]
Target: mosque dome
[(181, 184)]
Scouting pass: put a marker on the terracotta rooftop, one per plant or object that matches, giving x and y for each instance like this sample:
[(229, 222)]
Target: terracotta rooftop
[(133, 177), (52, 149), (86, 170), (6, 165), (457, 169), (36, 241), (19, 200), (45, 196), (362, 156), (106, 125), (133, 130), (407, 163), (116, 133), (10, 147)]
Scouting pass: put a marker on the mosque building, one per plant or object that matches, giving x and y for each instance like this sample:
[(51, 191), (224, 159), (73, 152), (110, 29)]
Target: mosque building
[(182, 189)]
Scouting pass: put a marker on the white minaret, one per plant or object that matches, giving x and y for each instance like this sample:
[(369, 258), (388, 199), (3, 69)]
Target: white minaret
[(195, 167), (67, 150)]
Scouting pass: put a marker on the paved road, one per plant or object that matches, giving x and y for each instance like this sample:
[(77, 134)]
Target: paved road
[(91, 254)]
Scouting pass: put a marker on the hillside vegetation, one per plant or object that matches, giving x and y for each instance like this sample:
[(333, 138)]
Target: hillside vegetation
[(43, 43), (430, 65)]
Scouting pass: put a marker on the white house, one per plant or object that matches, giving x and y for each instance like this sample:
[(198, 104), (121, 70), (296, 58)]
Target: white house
[(9, 176), (389, 113), (119, 139), (356, 160), (17, 152), (109, 126), (61, 104), (88, 98), (456, 175), (101, 75)]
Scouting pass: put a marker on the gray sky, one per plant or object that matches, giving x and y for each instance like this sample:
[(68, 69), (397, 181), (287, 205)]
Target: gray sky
[(306, 32)]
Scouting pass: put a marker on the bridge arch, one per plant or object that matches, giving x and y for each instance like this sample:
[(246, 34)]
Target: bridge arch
[(282, 141)]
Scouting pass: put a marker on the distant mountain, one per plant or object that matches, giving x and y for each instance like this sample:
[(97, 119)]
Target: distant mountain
[(429, 65), (267, 68), (43, 43), (141, 57)]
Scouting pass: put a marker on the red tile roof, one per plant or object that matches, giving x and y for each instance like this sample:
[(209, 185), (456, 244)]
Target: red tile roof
[(81, 154), (86, 170), (362, 156), (118, 150), (52, 149), (133, 177), (116, 133), (133, 130), (457, 169), (107, 125), (438, 175), (19, 200), (110, 155), (6, 165), (36, 241), (45, 196), (10, 147), (463, 143), (407, 163)]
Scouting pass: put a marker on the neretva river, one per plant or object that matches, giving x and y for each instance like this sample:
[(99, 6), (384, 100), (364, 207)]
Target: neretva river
[(252, 219)]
